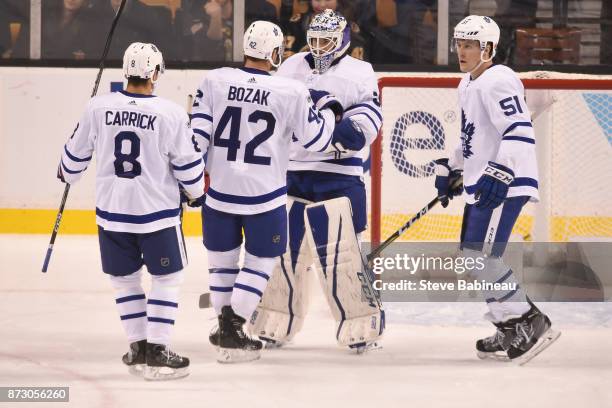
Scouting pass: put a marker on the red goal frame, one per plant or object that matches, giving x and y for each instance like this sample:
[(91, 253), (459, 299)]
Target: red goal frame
[(446, 82)]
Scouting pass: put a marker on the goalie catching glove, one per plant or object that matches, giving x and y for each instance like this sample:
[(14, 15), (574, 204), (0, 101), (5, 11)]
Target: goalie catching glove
[(445, 178)]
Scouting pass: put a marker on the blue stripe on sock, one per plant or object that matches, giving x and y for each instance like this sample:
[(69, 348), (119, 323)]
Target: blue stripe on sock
[(252, 272), (224, 271), (160, 320), (130, 298), (248, 289), (161, 303), (221, 288), (134, 316), (506, 276)]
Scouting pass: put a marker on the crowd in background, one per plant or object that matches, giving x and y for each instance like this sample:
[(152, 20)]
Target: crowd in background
[(382, 31)]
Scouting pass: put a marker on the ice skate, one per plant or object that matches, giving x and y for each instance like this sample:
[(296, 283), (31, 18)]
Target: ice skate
[(164, 364), (234, 345), (495, 347), (135, 358), (532, 335)]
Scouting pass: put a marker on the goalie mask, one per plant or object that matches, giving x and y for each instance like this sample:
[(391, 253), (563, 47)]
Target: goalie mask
[(260, 41), (141, 60), (329, 36), (479, 28)]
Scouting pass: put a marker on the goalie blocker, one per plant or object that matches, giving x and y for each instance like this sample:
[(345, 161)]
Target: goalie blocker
[(327, 239)]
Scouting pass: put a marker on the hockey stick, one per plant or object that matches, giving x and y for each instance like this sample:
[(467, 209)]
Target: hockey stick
[(60, 212), (378, 250)]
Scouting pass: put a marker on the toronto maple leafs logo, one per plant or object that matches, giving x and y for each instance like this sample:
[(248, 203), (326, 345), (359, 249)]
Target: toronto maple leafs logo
[(467, 132)]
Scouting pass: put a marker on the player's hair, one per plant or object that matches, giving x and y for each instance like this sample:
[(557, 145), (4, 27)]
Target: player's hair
[(137, 81)]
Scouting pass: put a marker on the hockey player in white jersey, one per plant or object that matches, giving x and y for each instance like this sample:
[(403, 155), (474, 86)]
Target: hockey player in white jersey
[(144, 150), (327, 207), (498, 159), (246, 120)]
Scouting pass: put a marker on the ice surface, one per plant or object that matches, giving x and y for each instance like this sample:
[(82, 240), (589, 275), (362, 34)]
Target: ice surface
[(61, 329)]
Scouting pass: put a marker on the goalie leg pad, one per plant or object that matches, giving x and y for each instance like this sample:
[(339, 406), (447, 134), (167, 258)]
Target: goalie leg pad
[(345, 280), (280, 314)]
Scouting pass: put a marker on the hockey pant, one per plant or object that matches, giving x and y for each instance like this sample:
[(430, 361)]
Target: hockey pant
[(321, 235)]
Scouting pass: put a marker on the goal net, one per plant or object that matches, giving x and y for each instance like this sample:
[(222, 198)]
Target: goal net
[(572, 117)]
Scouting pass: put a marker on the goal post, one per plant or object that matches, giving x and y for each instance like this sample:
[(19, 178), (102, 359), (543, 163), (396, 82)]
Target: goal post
[(572, 116)]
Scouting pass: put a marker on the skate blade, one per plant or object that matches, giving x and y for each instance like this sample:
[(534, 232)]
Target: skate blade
[(233, 356), (137, 370), (164, 373), (375, 345), (271, 344), (496, 356), (548, 338)]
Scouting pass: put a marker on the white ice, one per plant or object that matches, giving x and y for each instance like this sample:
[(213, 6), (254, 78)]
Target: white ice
[(62, 329)]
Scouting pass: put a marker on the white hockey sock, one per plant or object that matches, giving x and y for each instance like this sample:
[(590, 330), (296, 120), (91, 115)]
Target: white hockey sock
[(223, 269), (162, 306), (131, 305), (251, 283), (511, 299)]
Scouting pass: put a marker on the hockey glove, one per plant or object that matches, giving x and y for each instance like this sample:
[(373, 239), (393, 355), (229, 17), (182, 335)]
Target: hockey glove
[(348, 136), (445, 178), (324, 100), (492, 186), (60, 174), (192, 202)]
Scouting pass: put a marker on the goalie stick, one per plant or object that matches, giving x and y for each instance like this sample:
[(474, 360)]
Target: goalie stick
[(60, 211), (378, 250)]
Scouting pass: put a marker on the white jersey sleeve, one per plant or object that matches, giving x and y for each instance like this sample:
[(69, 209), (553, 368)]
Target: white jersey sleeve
[(312, 128), (201, 115), (185, 157), (78, 151), (366, 112)]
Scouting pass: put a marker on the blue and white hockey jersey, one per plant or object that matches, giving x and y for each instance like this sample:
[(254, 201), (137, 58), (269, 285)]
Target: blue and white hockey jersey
[(354, 83), (144, 147), (496, 126), (246, 120)]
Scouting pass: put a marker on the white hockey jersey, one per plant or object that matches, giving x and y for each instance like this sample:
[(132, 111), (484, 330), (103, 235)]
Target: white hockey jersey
[(246, 119), (496, 126), (144, 147), (355, 85)]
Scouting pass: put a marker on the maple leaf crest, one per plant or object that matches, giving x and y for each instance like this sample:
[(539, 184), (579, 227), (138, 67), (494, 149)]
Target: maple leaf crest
[(467, 132)]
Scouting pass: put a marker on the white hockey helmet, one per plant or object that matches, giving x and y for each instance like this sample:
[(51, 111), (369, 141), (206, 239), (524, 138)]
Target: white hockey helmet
[(260, 41), (141, 60), (328, 36), (480, 28)]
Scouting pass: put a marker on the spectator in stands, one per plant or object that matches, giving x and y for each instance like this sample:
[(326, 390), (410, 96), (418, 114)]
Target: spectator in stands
[(605, 44), (404, 32), (207, 30), (64, 29), (295, 30), (511, 14), (14, 29), (260, 10), (139, 23)]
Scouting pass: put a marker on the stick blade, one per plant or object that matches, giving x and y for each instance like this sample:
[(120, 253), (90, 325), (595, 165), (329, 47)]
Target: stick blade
[(204, 301)]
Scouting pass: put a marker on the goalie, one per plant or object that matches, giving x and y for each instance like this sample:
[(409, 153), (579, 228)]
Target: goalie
[(327, 201)]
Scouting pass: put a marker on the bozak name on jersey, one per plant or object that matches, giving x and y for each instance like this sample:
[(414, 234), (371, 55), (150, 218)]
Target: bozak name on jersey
[(245, 121)]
